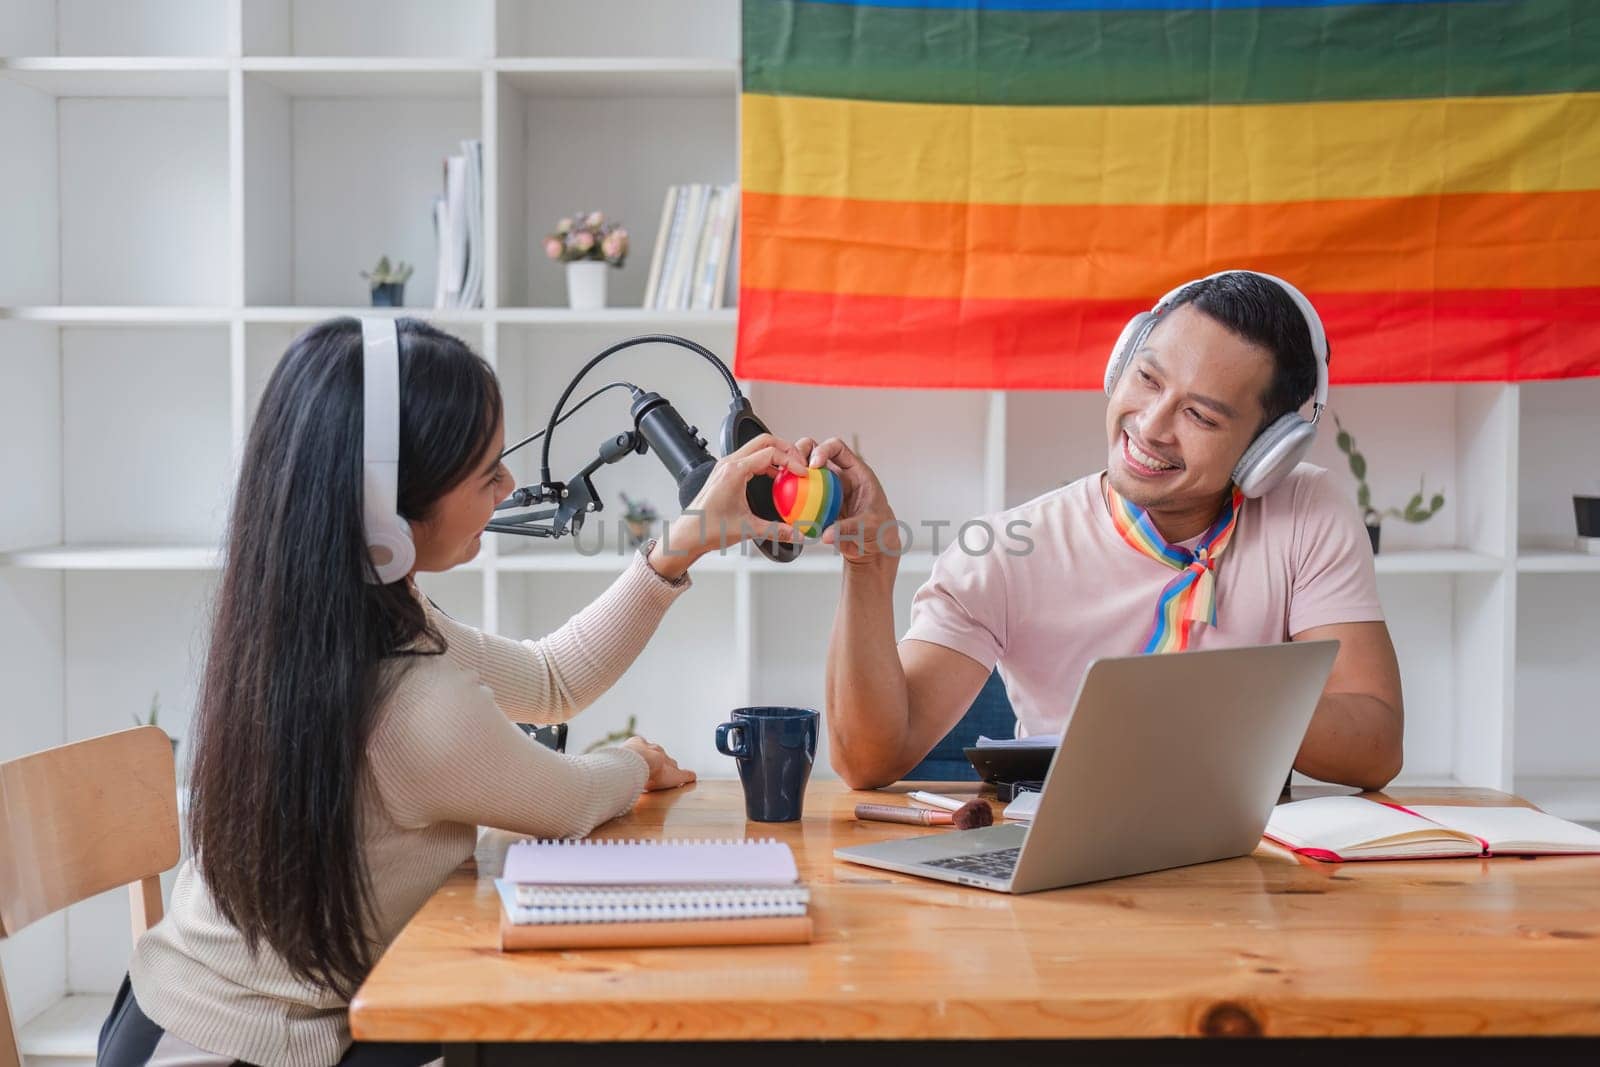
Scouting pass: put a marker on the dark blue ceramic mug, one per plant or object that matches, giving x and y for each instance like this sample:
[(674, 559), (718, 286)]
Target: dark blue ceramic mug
[(775, 748)]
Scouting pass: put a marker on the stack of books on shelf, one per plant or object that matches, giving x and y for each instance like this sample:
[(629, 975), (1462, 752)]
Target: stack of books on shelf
[(458, 225), (689, 268), (634, 894)]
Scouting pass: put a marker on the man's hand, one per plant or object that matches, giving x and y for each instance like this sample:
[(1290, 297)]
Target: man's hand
[(866, 529)]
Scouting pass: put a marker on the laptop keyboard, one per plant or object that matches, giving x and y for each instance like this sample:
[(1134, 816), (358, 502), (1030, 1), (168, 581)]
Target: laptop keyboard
[(1001, 863)]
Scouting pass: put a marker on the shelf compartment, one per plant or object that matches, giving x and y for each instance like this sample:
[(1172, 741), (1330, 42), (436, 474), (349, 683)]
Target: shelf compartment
[(1560, 439), (392, 28), (639, 140), (337, 173), (126, 203), (115, 28), (1557, 706), (146, 435), (705, 29)]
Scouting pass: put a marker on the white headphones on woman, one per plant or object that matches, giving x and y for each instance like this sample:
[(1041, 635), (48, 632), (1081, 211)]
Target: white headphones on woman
[(1276, 450), (388, 535)]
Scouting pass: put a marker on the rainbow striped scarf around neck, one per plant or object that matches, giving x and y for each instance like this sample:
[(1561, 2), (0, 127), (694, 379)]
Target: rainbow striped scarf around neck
[(1191, 597)]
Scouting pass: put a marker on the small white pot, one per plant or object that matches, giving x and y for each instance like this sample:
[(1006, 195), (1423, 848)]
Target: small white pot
[(586, 284)]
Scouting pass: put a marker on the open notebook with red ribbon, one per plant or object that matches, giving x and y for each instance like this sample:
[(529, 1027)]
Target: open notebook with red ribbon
[(1336, 829)]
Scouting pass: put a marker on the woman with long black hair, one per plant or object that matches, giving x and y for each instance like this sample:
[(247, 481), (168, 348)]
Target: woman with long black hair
[(351, 737)]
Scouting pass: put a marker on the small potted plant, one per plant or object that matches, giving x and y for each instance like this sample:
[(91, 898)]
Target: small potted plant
[(1415, 510), (640, 517), (152, 719), (388, 283), (587, 243)]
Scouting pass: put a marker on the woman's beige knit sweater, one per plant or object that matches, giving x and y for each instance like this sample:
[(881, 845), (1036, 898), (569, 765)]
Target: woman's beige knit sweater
[(445, 757)]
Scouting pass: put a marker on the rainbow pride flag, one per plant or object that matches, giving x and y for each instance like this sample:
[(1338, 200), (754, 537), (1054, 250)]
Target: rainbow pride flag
[(979, 193)]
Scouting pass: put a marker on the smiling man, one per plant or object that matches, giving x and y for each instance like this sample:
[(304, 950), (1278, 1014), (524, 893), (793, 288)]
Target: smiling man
[(1202, 532)]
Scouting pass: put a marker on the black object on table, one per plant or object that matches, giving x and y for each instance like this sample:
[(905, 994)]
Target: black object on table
[(553, 737)]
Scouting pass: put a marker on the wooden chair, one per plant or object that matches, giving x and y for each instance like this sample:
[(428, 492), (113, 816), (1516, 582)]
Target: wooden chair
[(78, 820)]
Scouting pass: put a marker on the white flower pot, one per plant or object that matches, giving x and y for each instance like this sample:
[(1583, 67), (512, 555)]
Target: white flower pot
[(586, 284)]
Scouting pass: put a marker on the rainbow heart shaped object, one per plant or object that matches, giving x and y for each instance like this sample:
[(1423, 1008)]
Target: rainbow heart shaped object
[(809, 503)]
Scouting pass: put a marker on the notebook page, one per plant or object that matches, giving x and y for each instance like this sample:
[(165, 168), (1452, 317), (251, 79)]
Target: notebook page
[(668, 862), (1515, 829), (1353, 827)]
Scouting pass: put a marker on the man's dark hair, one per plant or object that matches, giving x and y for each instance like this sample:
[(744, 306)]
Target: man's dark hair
[(1261, 312)]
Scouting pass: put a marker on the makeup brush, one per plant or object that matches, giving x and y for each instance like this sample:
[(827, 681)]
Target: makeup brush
[(969, 816)]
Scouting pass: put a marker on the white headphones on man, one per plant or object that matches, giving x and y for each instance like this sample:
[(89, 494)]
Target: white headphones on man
[(388, 535), (1276, 450)]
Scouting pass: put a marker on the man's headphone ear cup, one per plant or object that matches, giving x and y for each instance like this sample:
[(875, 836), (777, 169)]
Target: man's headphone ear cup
[(1273, 454), (1132, 336)]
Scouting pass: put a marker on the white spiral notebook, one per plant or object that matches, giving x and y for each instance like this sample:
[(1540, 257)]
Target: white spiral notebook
[(653, 863), (527, 905), (605, 893)]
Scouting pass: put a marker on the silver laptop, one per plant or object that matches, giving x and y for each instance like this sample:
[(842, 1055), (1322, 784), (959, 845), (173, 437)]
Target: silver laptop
[(1167, 760)]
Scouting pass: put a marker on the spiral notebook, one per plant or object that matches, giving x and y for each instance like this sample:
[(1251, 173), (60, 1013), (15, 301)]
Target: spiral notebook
[(592, 894)]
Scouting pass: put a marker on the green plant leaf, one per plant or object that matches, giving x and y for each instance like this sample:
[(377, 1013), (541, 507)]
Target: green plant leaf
[(1345, 442), (1358, 466), (1364, 497)]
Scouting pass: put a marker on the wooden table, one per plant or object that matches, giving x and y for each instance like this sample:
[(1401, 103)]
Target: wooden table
[(1268, 944)]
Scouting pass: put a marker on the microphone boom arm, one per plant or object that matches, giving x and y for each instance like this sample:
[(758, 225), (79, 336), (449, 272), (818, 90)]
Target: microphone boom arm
[(576, 498)]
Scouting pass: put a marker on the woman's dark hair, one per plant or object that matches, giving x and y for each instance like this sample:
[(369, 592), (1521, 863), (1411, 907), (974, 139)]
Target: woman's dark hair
[(292, 677), (1260, 311)]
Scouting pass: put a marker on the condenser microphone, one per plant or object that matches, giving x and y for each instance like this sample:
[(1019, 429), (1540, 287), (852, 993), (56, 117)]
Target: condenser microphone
[(678, 445)]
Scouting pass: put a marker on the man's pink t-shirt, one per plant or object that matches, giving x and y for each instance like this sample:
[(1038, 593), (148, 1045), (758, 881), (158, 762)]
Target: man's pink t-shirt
[(1299, 559)]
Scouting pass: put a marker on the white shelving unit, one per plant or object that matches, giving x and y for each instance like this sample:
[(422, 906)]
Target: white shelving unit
[(200, 180)]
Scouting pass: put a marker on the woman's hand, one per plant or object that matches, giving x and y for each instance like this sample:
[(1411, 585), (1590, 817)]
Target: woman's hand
[(866, 529), (664, 770), (720, 516)]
